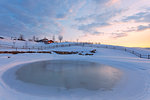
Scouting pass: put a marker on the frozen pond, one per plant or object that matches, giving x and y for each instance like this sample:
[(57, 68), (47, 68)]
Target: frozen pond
[(69, 74)]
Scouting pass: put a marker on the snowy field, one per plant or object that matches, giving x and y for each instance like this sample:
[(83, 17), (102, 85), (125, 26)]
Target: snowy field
[(133, 83)]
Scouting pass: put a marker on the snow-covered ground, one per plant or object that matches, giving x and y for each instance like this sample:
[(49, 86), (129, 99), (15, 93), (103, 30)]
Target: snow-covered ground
[(12, 45), (134, 83), (8, 44), (143, 51)]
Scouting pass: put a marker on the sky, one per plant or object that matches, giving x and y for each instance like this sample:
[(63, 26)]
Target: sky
[(115, 22)]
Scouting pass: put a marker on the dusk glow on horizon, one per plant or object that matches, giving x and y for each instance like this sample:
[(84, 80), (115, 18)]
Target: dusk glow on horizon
[(114, 22)]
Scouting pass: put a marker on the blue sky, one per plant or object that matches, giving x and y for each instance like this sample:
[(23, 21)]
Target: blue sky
[(86, 20)]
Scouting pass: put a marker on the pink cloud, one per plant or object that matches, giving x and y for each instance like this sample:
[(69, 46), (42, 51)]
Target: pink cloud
[(112, 2)]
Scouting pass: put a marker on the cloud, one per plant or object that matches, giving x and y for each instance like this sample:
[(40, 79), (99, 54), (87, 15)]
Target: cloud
[(139, 17), (112, 2), (101, 1), (142, 27), (88, 24), (89, 28), (47, 17), (119, 35), (33, 16), (130, 29), (81, 19), (137, 28)]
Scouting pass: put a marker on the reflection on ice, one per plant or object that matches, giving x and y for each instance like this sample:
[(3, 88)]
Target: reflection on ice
[(69, 74)]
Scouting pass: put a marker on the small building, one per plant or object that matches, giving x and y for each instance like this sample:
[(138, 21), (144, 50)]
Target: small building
[(1, 38), (46, 41), (43, 40), (49, 41)]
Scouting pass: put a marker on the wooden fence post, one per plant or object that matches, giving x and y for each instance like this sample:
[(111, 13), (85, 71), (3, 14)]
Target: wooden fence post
[(133, 52), (140, 56), (125, 49), (148, 56)]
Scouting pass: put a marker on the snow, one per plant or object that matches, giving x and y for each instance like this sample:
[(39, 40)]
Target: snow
[(8, 44), (133, 83), (143, 51)]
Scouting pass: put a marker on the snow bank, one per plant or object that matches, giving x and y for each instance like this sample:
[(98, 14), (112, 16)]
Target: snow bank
[(134, 84)]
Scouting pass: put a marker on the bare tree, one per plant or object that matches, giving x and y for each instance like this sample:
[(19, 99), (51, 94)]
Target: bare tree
[(53, 37), (33, 38), (60, 37), (14, 42), (21, 37), (37, 39)]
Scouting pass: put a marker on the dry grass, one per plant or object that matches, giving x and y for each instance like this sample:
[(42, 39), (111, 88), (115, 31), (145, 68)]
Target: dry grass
[(65, 52), (16, 52)]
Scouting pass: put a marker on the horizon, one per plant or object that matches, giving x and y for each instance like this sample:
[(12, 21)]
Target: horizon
[(112, 22), (57, 40)]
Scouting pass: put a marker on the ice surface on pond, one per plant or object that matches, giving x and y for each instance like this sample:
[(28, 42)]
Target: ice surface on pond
[(70, 74)]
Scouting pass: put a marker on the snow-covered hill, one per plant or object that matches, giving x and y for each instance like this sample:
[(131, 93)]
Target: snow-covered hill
[(133, 85), (134, 72)]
